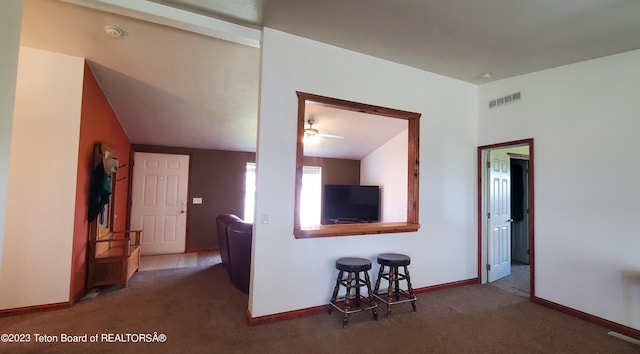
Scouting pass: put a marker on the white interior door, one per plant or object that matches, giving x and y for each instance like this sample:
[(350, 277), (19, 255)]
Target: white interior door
[(499, 223), (159, 201)]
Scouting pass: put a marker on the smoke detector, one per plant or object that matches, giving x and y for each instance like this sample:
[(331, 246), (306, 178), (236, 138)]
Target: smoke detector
[(114, 31)]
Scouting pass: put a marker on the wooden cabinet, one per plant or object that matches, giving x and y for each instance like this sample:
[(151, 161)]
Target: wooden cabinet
[(113, 258)]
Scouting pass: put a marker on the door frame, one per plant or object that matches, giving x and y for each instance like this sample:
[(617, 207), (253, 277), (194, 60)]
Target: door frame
[(482, 157)]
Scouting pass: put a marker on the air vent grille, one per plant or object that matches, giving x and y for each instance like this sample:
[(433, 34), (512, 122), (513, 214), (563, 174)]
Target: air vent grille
[(504, 100)]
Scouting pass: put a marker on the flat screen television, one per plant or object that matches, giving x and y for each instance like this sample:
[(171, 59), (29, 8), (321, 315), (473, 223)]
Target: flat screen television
[(350, 204)]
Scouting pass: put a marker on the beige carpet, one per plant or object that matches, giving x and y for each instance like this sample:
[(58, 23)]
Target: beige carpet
[(199, 311)]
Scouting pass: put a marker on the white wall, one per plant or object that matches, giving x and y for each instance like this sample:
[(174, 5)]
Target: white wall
[(443, 250), (10, 18), (585, 121), (43, 164), (387, 167)]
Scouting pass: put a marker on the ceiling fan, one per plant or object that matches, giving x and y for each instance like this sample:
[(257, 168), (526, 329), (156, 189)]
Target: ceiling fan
[(311, 135)]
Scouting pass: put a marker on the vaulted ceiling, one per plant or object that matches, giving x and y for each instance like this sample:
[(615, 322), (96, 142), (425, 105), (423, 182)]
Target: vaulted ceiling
[(170, 86), (167, 86)]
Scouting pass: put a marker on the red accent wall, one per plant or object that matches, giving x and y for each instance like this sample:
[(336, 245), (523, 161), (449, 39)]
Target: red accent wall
[(98, 124)]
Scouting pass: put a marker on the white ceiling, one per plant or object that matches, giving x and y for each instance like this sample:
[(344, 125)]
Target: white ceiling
[(461, 39), (358, 139), (176, 88)]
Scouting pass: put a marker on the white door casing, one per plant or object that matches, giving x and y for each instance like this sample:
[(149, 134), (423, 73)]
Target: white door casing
[(159, 201), (499, 222)]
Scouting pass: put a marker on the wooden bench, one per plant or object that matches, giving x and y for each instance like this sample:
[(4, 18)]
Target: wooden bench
[(113, 259)]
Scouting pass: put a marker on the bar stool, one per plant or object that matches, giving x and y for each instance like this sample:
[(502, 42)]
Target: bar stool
[(394, 295), (353, 266)]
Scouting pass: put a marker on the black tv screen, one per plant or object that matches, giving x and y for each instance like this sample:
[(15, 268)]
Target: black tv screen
[(350, 203)]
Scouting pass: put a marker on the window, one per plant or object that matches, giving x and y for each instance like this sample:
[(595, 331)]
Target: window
[(311, 195), (249, 192)]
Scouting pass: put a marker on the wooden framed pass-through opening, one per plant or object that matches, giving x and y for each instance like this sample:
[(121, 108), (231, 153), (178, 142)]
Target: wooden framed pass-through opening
[(344, 229)]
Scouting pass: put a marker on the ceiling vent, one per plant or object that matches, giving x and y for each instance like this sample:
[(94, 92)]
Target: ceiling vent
[(503, 100)]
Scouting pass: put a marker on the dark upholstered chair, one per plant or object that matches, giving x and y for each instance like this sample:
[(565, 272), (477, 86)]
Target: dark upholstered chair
[(222, 221), (239, 236)]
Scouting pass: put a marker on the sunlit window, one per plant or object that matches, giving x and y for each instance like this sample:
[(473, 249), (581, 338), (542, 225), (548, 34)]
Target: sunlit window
[(311, 194), (250, 192)]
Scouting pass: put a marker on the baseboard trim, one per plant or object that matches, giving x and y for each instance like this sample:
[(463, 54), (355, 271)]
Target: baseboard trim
[(453, 284), (193, 250), (37, 308), (75, 298), (627, 331), (282, 316)]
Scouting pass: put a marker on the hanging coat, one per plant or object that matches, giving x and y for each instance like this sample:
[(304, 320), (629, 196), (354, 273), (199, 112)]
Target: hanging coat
[(100, 191)]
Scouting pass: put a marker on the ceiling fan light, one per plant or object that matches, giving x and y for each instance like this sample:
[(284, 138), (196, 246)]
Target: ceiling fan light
[(310, 138)]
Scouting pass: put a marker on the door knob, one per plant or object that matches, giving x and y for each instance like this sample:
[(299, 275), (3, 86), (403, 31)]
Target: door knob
[(510, 220), (182, 211)]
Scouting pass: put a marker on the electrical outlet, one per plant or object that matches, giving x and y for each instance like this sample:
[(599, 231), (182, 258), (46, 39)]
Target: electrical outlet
[(264, 218)]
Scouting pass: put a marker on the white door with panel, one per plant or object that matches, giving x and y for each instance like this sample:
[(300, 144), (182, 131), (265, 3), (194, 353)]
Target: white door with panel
[(499, 222), (159, 201)]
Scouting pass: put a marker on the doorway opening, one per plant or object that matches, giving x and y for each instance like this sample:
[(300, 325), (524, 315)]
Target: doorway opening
[(506, 256)]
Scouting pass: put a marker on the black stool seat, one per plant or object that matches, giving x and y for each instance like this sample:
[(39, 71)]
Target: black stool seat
[(353, 264), (394, 259)]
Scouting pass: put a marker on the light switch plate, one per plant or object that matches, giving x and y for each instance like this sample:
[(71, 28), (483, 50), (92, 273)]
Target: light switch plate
[(197, 200)]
